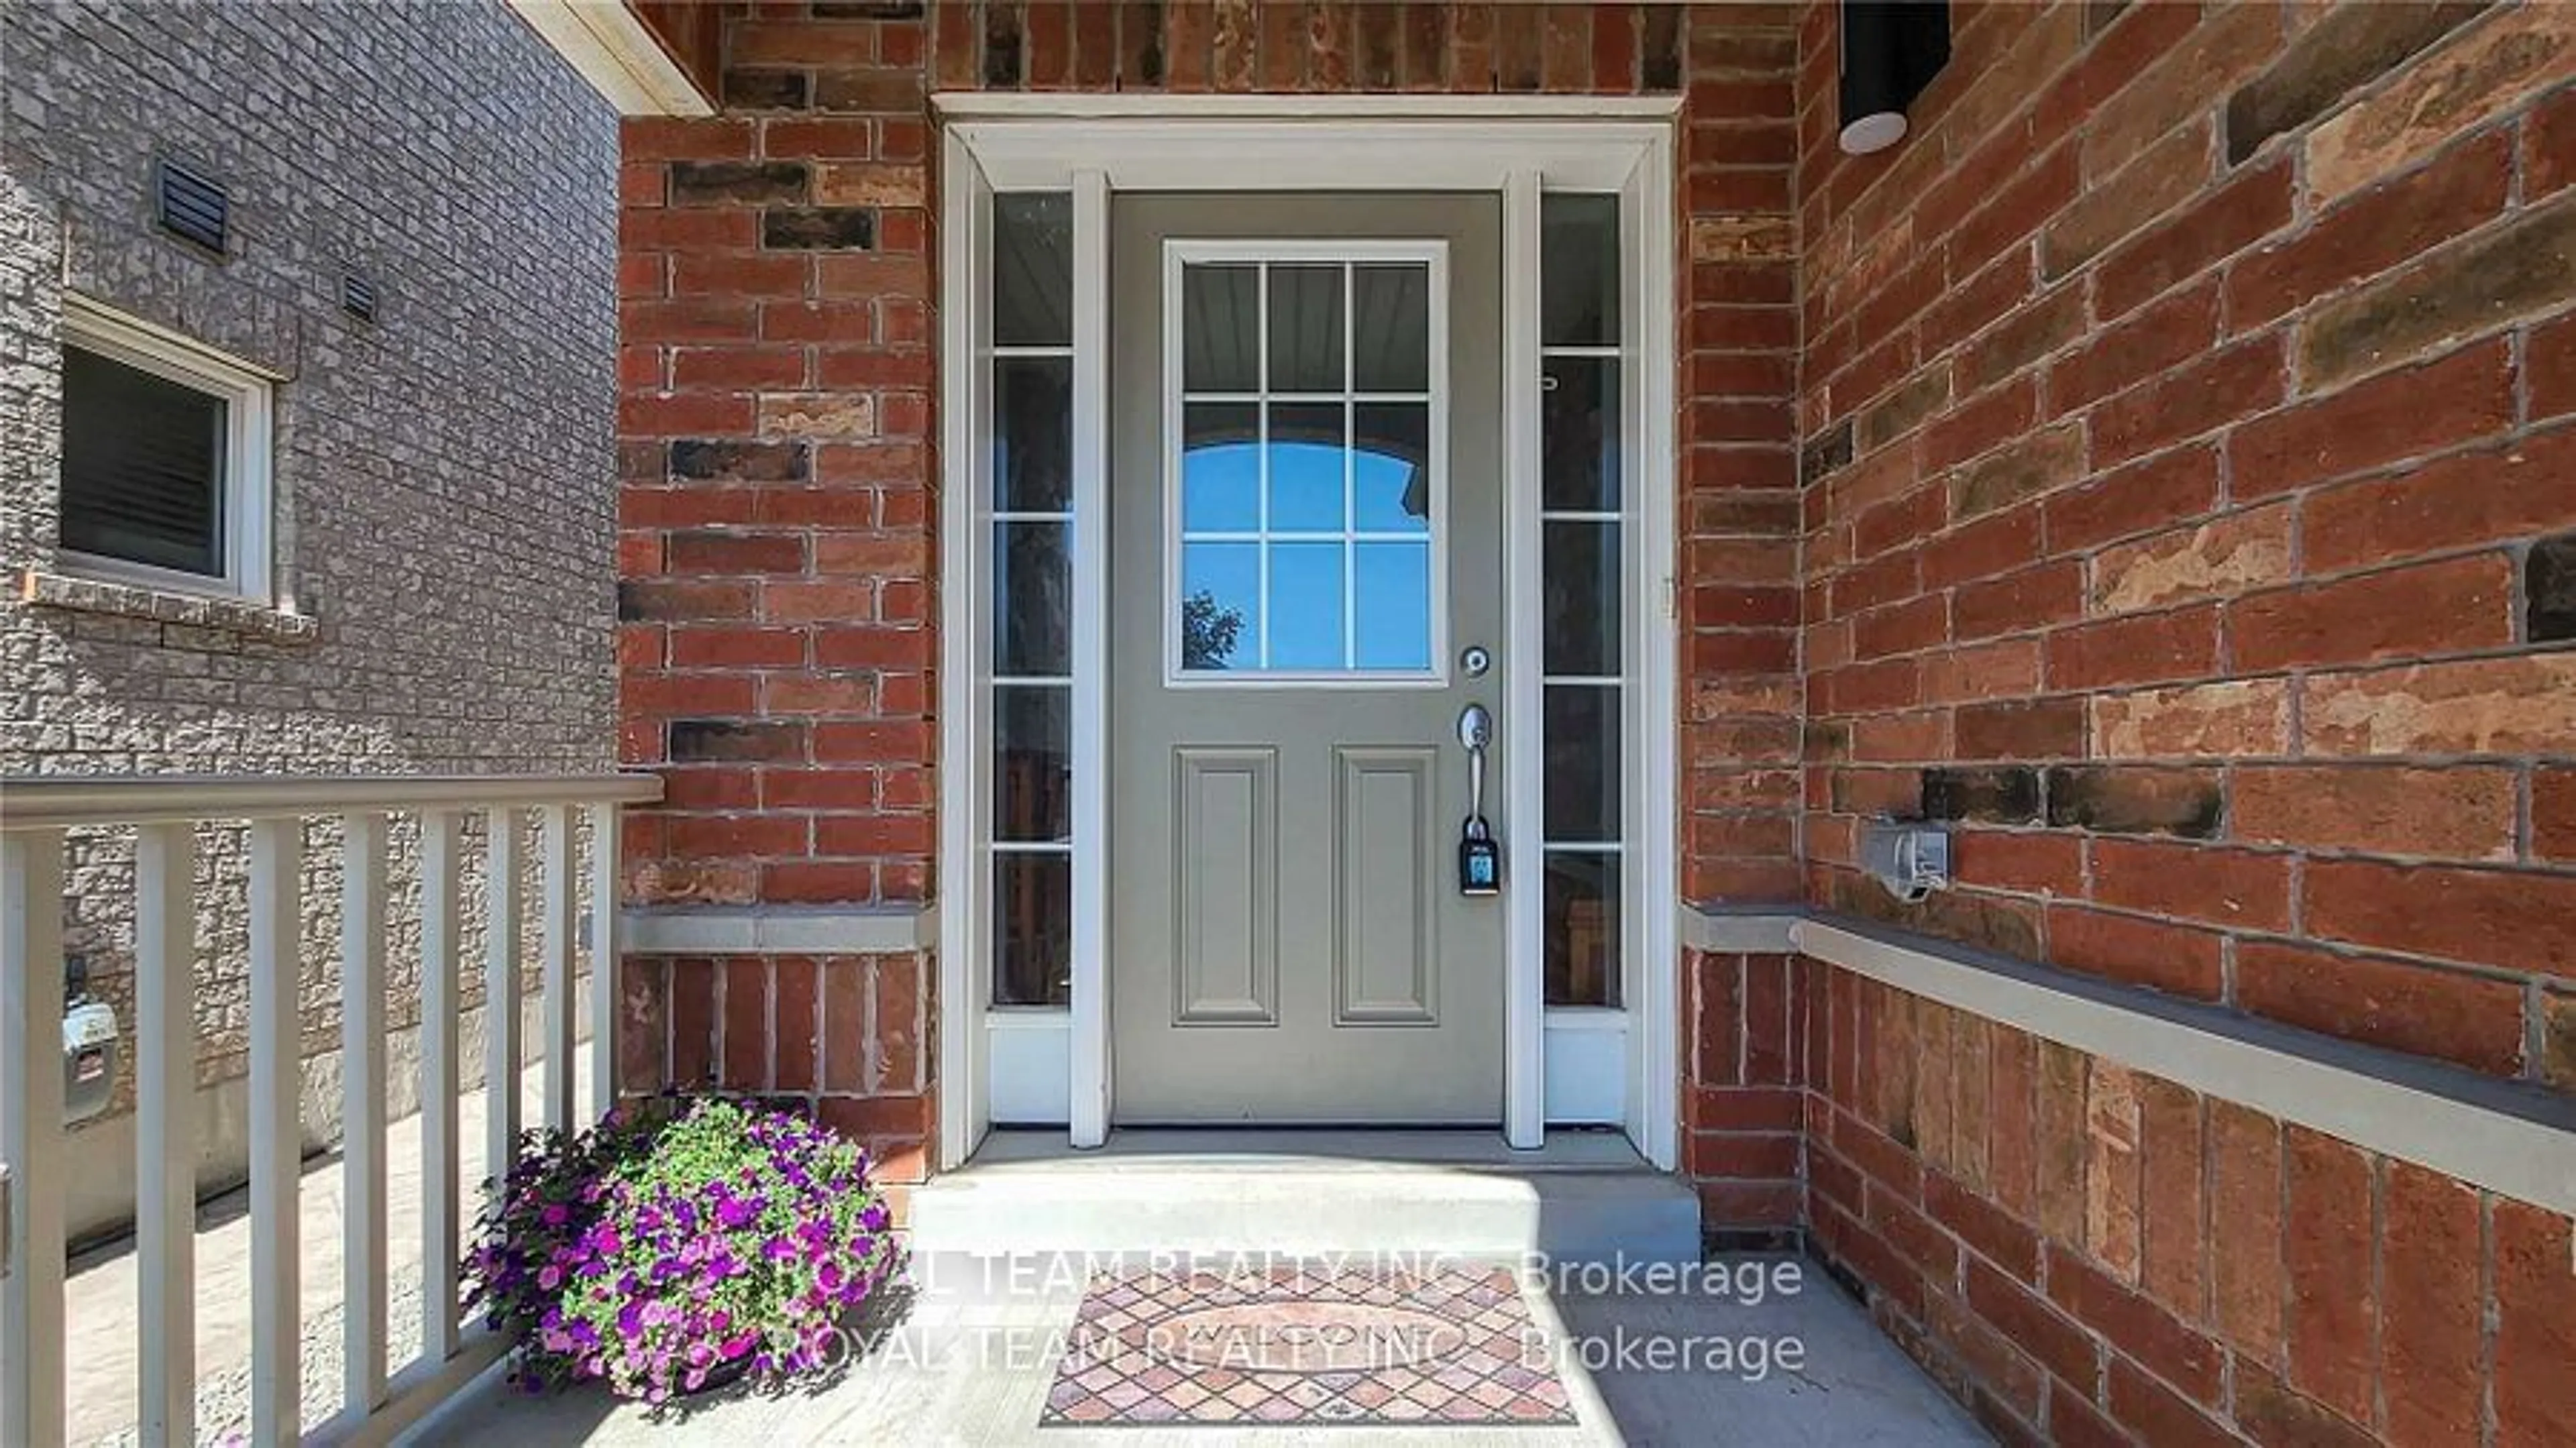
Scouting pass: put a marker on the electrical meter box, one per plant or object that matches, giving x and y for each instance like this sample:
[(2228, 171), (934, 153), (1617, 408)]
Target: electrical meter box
[(89, 1059)]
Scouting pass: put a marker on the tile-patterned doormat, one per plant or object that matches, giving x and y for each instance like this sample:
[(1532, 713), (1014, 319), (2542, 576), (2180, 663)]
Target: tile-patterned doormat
[(1301, 1347)]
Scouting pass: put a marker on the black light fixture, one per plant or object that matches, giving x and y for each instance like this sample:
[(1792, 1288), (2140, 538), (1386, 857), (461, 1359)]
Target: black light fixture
[(1891, 49)]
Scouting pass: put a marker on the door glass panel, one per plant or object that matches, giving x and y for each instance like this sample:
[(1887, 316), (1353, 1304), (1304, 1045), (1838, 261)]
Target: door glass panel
[(1032, 929), (1221, 467), (1307, 494), (1582, 928), (1306, 329), (1391, 328), (1033, 269), (1578, 270), (1305, 617), (1032, 762), (1033, 434), (1391, 605), (1032, 601), (1220, 606), (1582, 734), (1391, 467), (1307, 486), (1580, 622), (1221, 328), (1579, 435)]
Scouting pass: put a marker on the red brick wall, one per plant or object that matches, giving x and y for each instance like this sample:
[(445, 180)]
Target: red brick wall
[(848, 1033), (779, 367), (778, 603), (1744, 1068), (2189, 419), (2083, 1252), (2191, 459)]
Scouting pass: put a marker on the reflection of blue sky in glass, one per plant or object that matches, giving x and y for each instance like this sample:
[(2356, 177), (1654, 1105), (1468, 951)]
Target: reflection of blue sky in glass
[(1305, 606), (1305, 489), (1390, 582), (1393, 584), (1220, 488), (1306, 475), (1231, 574)]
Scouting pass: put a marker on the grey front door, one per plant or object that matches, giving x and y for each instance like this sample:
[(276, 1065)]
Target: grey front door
[(1306, 536)]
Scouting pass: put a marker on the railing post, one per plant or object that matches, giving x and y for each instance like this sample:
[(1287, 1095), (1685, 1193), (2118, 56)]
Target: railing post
[(501, 996), (276, 1128), (165, 815), (165, 1087), (439, 1226), (606, 965), (559, 928), (362, 1115), (31, 1134)]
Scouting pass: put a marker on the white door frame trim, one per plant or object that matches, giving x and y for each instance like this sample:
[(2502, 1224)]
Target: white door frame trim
[(1524, 864), (1512, 147)]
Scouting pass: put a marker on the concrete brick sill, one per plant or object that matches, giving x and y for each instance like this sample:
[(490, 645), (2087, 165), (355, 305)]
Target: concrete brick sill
[(2510, 1137), (779, 930), (156, 605)]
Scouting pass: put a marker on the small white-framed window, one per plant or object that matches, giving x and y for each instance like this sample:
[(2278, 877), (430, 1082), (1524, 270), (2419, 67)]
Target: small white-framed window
[(165, 459), (1307, 446)]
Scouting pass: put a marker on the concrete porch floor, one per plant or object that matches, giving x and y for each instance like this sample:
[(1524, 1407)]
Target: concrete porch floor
[(1003, 1249), (1462, 1194), (961, 1366)]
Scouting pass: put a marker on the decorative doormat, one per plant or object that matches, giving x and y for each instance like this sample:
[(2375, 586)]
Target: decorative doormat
[(1298, 1346)]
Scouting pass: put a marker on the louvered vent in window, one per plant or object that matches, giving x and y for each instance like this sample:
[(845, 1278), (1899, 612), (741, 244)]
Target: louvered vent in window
[(358, 297), (143, 466), (193, 206)]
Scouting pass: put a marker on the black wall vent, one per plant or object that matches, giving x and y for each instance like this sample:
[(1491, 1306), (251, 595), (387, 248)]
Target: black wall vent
[(193, 207), (358, 296)]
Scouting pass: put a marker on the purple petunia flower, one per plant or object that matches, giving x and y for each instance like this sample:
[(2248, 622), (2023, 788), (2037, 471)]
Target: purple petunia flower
[(602, 1254)]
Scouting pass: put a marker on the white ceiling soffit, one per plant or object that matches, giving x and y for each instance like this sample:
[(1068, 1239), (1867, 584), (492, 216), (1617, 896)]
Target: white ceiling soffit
[(1036, 142), (611, 48)]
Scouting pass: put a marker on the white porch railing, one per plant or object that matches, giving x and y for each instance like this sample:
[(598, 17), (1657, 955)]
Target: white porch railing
[(35, 813)]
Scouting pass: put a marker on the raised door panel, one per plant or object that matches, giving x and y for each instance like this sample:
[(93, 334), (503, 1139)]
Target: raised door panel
[(1225, 881), (1388, 848)]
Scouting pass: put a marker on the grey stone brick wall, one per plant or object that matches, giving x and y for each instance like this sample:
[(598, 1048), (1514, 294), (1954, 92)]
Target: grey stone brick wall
[(444, 481)]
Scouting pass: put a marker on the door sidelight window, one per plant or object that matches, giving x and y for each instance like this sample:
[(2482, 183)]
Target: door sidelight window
[(1030, 645), (1583, 563)]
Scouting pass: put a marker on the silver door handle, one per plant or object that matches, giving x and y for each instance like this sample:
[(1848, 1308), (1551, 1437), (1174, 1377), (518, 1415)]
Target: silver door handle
[(1476, 732)]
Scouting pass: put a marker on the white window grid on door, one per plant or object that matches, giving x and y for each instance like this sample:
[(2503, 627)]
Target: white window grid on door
[(1260, 256)]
